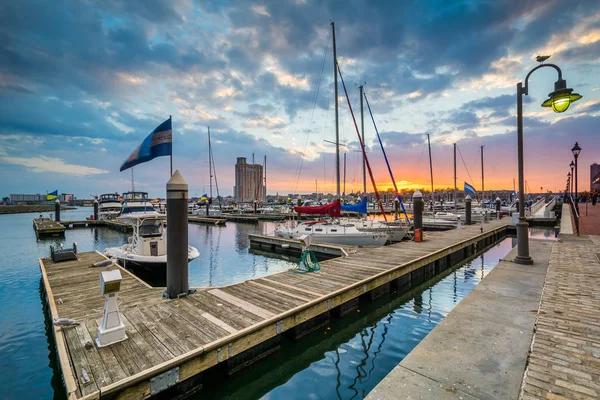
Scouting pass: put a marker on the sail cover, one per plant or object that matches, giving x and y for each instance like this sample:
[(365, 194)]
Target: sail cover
[(359, 208), (333, 209)]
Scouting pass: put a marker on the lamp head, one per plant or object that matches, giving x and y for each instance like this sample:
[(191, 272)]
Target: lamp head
[(569, 175), (576, 150), (572, 165), (561, 98)]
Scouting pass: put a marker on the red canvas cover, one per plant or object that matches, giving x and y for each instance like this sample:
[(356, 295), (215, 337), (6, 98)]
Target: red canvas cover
[(333, 209)]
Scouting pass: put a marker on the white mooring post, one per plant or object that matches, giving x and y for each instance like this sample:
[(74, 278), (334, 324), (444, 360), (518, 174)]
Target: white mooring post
[(112, 329)]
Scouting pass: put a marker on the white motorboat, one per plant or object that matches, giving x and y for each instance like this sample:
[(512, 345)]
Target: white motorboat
[(136, 205), (109, 206), (147, 247), (333, 232)]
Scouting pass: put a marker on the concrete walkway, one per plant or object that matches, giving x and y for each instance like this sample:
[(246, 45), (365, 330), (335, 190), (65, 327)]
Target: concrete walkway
[(589, 220), (479, 351), (565, 355)]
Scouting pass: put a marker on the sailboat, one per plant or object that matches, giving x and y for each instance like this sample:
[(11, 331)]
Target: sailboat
[(334, 230), (209, 209)]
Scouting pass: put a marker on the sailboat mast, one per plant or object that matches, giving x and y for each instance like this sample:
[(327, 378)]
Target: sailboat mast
[(344, 173), (132, 184), (454, 195), (482, 186), (265, 195), (210, 163), (430, 169), (337, 125), (362, 130)]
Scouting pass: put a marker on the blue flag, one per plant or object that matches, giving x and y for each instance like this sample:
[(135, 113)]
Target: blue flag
[(470, 189), (157, 144)]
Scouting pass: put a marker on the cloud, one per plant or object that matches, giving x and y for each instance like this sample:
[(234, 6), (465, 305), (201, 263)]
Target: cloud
[(54, 165)]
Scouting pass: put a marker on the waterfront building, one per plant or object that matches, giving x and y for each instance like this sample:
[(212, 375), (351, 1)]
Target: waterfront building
[(27, 198), (248, 181)]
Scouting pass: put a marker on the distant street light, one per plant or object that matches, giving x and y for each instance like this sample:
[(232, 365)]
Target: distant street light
[(572, 165), (569, 183), (560, 99), (576, 150)]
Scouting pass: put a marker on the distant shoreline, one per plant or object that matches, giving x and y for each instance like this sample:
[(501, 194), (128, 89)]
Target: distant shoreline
[(21, 209)]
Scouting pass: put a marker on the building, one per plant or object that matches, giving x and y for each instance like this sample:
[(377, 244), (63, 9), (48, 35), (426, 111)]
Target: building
[(66, 197), (27, 198), (249, 182), (595, 176)]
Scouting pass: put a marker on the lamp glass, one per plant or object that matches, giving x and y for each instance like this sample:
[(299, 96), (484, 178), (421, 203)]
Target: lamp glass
[(560, 100)]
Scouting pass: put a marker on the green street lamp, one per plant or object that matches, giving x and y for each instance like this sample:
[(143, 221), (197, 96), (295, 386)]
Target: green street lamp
[(560, 100)]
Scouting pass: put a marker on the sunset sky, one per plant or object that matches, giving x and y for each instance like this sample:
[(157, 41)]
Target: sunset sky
[(82, 83)]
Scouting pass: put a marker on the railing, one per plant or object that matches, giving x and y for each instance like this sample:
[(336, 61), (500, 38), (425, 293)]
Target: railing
[(574, 213), (535, 208)]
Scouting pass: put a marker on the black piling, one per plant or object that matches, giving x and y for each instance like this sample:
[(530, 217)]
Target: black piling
[(57, 210), (177, 236)]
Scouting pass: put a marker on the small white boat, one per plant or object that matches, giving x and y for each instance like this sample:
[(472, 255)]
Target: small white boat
[(332, 232), (396, 230), (147, 247), (109, 206)]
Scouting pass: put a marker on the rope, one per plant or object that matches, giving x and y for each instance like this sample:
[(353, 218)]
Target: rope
[(308, 263), (316, 98), (463, 160)]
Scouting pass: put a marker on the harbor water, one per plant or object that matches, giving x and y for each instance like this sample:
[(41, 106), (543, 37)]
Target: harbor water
[(345, 359)]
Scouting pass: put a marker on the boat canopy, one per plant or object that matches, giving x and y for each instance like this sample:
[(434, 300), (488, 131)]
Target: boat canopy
[(359, 208), (333, 209)]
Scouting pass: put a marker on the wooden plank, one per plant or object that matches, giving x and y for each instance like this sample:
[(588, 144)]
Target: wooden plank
[(266, 302), (157, 330), (311, 293), (241, 303), (115, 371), (272, 288), (79, 362), (218, 322), (61, 349), (158, 347), (229, 313), (98, 369)]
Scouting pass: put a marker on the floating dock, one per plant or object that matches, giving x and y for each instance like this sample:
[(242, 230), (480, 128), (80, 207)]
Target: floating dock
[(115, 225), (172, 342), (206, 220), (45, 227), (282, 245)]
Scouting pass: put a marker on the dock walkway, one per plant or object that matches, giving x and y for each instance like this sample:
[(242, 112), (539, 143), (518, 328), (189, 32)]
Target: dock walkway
[(179, 339), (564, 362), (525, 332), (45, 227)]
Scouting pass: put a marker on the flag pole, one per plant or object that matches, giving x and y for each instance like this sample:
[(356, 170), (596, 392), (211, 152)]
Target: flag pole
[(171, 157)]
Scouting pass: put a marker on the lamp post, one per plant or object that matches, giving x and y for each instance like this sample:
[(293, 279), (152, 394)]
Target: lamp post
[(572, 165), (576, 150), (560, 99), (569, 183)]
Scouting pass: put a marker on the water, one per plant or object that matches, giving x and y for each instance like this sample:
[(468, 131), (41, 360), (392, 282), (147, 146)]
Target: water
[(350, 356), (26, 366)]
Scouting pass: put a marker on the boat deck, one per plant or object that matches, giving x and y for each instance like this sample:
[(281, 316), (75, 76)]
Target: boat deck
[(179, 339)]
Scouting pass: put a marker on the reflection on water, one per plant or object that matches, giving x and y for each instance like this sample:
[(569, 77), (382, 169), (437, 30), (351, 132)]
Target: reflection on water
[(349, 356), (27, 358)]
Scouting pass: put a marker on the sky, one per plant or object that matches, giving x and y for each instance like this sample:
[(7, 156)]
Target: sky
[(82, 83)]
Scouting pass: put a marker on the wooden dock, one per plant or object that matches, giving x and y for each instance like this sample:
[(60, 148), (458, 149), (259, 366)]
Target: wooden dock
[(45, 227), (174, 341), (115, 225), (207, 220), (283, 245)]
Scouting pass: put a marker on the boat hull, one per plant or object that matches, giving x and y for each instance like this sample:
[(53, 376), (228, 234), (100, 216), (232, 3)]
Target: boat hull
[(127, 259), (366, 239)]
